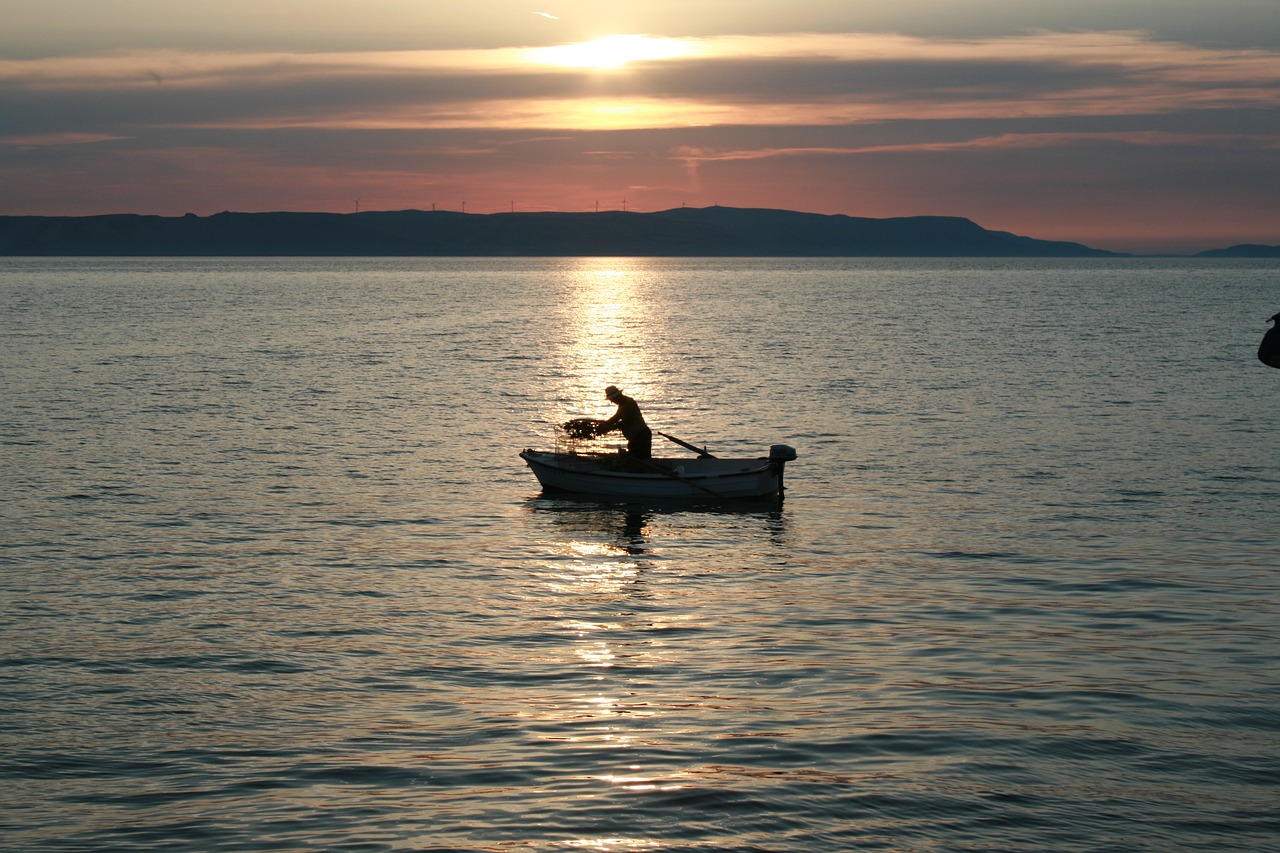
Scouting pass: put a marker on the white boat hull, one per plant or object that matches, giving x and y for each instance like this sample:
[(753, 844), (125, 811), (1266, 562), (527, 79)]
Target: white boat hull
[(600, 475)]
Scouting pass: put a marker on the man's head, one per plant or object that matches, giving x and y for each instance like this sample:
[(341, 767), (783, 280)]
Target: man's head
[(612, 392)]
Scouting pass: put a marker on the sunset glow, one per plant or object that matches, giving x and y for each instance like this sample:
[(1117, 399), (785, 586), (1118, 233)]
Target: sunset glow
[(1068, 124), (610, 52)]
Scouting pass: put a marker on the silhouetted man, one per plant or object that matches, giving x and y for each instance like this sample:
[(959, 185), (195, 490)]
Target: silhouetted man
[(631, 422), (1269, 350)]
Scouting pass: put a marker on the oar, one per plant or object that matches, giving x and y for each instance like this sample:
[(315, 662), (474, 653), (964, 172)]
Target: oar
[(702, 452)]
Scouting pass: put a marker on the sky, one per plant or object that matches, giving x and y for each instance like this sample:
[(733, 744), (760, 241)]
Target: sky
[(1131, 125)]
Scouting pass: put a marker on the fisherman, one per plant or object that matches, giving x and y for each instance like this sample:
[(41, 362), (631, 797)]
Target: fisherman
[(631, 422), (1269, 349)]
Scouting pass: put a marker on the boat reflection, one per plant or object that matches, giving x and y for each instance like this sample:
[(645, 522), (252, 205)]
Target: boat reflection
[(625, 528), (628, 527)]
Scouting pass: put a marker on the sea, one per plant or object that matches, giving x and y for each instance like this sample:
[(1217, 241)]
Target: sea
[(273, 576)]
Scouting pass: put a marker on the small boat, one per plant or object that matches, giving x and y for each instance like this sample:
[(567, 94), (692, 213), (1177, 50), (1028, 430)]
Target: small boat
[(619, 476)]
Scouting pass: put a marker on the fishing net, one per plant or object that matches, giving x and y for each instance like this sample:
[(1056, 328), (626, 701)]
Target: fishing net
[(580, 428), (579, 435)]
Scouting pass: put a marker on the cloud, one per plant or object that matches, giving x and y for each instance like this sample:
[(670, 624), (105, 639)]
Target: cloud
[(58, 139), (803, 79), (1007, 141)]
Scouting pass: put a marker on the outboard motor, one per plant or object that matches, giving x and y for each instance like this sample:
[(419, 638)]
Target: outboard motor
[(782, 453), (779, 456)]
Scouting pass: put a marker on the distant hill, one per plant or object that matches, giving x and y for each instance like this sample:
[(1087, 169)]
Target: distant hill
[(687, 232), (1244, 250)]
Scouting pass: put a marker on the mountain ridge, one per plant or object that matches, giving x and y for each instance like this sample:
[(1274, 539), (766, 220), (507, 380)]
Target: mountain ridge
[(678, 232), (1242, 250)]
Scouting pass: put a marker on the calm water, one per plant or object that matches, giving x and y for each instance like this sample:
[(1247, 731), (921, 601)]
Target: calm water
[(272, 576)]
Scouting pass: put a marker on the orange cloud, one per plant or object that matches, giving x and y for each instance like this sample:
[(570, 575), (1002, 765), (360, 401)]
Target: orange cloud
[(689, 154)]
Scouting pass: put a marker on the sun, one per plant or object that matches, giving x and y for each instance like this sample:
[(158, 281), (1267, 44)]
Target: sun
[(610, 51)]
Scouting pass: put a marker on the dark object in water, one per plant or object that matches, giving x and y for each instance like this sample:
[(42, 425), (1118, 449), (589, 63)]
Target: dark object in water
[(1269, 349)]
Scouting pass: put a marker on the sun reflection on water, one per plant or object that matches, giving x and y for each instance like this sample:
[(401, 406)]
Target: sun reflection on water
[(623, 621), (608, 335), (613, 844), (593, 575), (608, 713)]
